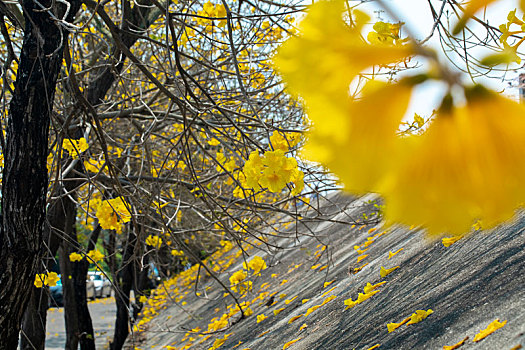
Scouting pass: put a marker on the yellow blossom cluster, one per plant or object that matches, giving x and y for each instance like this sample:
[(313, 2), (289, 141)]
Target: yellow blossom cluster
[(238, 283), (95, 255), (444, 179), (75, 257), (208, 13), (257, 264), (46, 279), (112, 214), (272, 171), (75, 147), (154, 241)]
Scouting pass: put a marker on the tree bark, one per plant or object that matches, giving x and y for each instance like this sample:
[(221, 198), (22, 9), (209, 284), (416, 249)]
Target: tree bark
[(25, 172)]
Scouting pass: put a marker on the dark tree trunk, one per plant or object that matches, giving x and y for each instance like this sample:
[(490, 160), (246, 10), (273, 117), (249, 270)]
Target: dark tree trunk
[(123, 286), (68, 298), (61, 216), (34, 321), (25, 173)]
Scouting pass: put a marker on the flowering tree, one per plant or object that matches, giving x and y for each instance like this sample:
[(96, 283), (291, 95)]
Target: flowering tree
[(171, 136)]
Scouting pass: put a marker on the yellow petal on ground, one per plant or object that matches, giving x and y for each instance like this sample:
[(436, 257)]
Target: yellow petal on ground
[(419, 316), (326, 284), (350, 303), (328, 292), (290, 300), (390, 254), (362, 297), (385, 272), (303, 326), (491, 328), (455, 346), (370, 287), (393, 326), (357, 269), (294, 318), (287, 345), (448, 241), (312, 309), (277, 311), (361, 257), (374, 347)]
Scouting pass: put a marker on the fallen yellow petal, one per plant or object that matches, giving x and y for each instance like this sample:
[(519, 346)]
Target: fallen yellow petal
[(419, 316), (374, 347), (384, 272), (455, 346), (448, 241), (390, 254), (290, 300), (492, 327), (393, 326), (294, 318), (370, 287), (276, 312), (287, 345), (357, 269), (312, 309), (361, 257), (303, 326), (326, 284)]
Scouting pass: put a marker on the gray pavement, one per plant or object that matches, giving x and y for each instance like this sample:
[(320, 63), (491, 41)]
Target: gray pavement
[(468, 285), (103, 317)]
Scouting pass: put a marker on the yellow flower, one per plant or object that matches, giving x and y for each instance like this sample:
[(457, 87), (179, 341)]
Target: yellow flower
[(278, 142), (112, 214), (257, 264), (261, 318), (40, 280), (491, 328), (75, 147), (277, 311), (75, 257), (95, 255), (393, 326), (324, 84), (454, 174), (52, 279), (154, 241)]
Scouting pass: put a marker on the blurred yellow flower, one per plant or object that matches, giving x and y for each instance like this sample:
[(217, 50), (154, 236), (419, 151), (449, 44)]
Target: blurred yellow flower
[(75, 257), (95, 255), (154, 241)]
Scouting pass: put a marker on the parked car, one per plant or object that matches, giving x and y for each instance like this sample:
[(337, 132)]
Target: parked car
[(102, 284), (57, 295)]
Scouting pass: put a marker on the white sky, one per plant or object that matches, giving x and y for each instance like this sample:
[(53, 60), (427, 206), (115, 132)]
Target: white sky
[(418, 19)]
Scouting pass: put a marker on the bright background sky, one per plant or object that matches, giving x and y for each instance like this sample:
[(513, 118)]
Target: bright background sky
[(418, 19)]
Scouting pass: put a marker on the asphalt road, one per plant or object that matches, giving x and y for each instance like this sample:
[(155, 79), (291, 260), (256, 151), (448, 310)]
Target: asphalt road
[(102, 313)]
